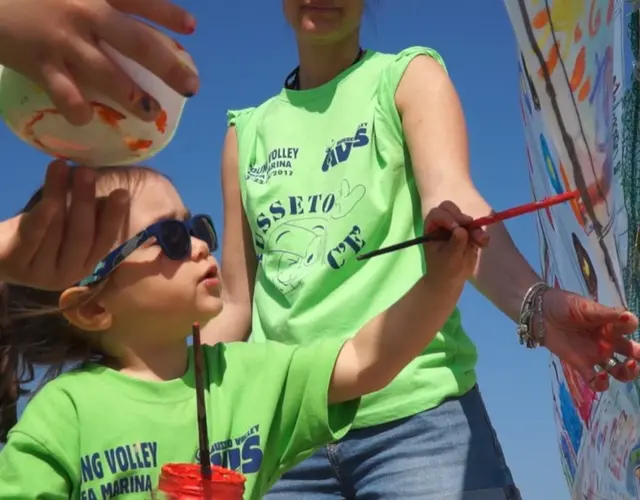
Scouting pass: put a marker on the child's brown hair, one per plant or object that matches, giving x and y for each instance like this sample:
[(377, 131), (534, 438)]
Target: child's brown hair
[(33, 332)]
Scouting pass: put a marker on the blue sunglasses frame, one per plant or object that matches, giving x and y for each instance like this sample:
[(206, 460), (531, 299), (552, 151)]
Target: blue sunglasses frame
[(190, 227)]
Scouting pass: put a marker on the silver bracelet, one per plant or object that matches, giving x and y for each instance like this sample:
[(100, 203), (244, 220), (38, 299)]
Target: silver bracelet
[(530, 311)]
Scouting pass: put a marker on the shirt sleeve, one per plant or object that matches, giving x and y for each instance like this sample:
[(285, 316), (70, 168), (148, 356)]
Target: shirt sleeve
[(237, 116), (389, 81), (307, 420), (41, 457), (29, 470)]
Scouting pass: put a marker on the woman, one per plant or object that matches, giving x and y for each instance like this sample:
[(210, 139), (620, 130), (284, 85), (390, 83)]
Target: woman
[(348, 157), (332, 193)]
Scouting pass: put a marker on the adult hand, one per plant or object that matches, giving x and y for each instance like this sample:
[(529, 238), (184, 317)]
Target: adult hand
[(589, 337), (55, 43), (57, 243)]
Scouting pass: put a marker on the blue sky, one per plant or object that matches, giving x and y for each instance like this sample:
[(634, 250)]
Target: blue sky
[(245, 49)]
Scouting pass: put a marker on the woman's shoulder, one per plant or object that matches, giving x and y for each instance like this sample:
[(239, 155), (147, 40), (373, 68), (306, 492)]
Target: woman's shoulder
[(239, 117), (406, 55)]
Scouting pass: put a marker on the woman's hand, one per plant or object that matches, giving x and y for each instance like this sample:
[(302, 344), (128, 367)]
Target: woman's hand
[(589, 337), (452, 263), (57, 244), (56, 44)]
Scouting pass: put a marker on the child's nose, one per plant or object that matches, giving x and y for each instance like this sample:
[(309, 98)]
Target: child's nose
[(199, 249)]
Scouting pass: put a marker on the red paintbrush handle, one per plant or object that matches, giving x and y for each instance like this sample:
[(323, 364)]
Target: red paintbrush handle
[(522, 209)]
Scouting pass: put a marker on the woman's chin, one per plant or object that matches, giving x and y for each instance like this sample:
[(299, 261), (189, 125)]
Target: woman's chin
[(319, 29)]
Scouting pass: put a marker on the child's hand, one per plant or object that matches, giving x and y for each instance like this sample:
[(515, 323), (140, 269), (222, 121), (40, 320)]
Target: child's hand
[(54, 245), (55, 43), (451, 263), (387, 343)]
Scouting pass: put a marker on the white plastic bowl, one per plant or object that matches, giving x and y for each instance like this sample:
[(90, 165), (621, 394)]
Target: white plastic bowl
[(113, 137)]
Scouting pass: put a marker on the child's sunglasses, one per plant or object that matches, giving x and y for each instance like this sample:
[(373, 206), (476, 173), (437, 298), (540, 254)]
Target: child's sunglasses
[(173, 236)]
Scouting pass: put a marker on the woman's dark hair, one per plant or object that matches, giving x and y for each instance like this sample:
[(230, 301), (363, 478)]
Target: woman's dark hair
[(33, 332)]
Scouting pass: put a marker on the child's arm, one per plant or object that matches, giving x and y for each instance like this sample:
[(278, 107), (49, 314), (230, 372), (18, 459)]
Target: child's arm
[(386, 344)]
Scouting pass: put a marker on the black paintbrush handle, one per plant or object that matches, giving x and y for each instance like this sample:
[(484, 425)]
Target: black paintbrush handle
[(438, 235), (203, 428)]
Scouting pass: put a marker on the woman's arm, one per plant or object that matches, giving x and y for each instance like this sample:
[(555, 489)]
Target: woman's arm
[(239, 264), (435, 131)]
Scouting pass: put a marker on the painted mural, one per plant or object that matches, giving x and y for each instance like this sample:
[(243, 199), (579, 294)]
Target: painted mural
[(572, 82)]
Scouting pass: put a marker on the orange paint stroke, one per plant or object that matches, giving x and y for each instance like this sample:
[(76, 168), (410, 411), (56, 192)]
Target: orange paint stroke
[(552, 60), (29, 127), (577, 34), (107, 114), (161, 122), (540, 20), (584, 90), (574, 203), (137, 145), (579, 69)]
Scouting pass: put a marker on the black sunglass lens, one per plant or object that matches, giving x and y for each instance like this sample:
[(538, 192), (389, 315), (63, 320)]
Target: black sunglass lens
[(174, 239), (203, 230)]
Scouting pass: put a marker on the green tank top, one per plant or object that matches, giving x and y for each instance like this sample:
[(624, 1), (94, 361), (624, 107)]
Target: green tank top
[(325, 175)]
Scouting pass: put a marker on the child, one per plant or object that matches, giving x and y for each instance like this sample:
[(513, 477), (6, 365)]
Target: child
[(104, 429)]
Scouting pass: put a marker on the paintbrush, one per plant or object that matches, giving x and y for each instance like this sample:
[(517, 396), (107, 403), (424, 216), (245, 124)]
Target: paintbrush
[(203, 435), (444, 234)]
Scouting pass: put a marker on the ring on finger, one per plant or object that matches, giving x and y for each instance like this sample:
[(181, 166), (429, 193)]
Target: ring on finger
[(619, 358), (597, 369), (610, 364)]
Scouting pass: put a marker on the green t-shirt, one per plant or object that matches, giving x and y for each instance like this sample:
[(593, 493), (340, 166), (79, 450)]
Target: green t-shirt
[(98, 434), (325, 175)]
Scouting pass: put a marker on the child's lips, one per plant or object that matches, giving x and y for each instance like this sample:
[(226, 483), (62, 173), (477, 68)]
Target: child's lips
[(211, 278), (211, 282)]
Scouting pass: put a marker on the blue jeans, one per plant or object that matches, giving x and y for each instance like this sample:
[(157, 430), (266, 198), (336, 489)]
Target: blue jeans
[(450, 452)]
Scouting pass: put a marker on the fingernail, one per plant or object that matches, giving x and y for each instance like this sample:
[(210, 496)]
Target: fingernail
[(149, 104), (632, 364), (602, 376), (191, 85), (189, 24), (145, 102), (432, 227), (625, 318)]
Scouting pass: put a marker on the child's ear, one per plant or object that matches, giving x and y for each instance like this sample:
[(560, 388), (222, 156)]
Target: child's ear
[(84, 311)]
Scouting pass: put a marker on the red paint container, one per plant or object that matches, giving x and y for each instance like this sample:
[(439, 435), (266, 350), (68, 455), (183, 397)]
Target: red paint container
[(185, 482)]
